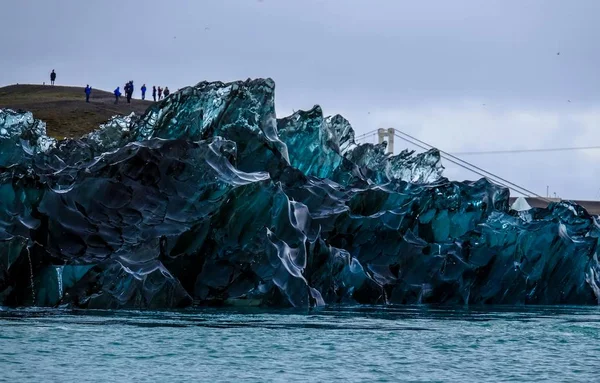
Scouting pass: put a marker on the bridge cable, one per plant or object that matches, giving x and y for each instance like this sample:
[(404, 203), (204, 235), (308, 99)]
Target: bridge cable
[(527, 150), (466, 165)]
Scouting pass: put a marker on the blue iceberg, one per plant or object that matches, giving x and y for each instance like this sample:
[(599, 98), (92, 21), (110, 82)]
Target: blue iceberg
[(209, 199)]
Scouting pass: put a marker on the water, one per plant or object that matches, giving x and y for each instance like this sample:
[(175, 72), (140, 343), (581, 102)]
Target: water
[(331, 345)]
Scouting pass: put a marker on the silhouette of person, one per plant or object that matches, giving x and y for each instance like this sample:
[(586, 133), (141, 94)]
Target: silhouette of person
[(159, 92), (143, 92), (129, 91), (154, 92), (52, 77), (88, 91), (167, 92), (117, 95)]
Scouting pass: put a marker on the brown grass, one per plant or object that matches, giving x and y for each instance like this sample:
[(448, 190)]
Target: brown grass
[(64, 108)]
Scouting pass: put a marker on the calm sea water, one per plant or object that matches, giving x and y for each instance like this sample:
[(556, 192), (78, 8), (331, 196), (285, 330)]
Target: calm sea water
[(368, 344)]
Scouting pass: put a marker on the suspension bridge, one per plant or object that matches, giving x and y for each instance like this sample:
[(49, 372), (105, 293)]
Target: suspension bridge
[(532, 198)]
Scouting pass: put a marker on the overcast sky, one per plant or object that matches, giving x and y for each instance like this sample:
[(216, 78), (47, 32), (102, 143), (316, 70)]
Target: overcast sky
[(464, 75)]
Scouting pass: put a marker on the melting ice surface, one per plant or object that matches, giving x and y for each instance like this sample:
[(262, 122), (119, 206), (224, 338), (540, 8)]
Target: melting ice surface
[(209, 199)]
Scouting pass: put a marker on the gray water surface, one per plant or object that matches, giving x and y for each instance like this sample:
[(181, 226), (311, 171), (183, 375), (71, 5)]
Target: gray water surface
[(362, 344)]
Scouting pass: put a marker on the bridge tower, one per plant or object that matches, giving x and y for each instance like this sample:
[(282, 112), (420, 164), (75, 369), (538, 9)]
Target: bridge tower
[(387, 135)]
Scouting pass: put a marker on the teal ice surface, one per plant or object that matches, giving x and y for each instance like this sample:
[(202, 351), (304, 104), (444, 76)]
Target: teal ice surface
[(209, 199)]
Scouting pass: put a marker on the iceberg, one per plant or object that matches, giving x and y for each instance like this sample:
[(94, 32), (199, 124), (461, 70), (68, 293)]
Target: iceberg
[(209, 199)]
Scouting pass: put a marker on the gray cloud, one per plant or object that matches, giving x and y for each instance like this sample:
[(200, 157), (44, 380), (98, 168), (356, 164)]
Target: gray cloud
[(425, 67)]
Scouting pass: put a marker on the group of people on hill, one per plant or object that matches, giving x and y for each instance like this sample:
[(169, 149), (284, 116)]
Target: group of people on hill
[(128, 92), (128, 88), (162, 93), (157, 93)]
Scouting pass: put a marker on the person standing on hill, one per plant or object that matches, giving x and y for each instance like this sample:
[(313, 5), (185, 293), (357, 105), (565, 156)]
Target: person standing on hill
[(117, 95), (52, 77), (88, 91), (154, 92), (143, 92), (159, 92), (129, 91), (167, 92)]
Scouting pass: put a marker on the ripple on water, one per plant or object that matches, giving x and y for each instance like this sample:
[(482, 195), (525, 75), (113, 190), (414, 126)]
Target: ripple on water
[(484, 344)]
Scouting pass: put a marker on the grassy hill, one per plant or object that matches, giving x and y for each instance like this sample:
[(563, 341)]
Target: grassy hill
[(64, 108)]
